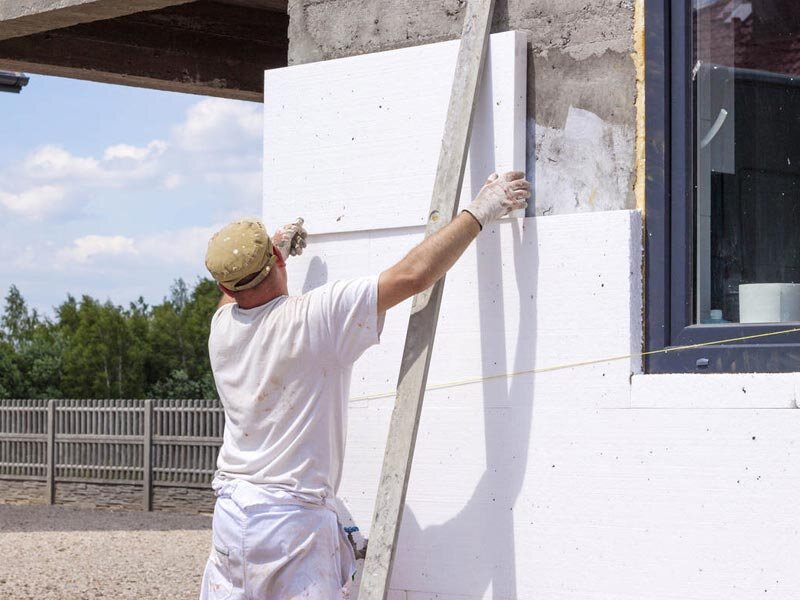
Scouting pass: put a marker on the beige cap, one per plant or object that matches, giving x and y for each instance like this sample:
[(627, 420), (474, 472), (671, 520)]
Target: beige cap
[(239, 250)]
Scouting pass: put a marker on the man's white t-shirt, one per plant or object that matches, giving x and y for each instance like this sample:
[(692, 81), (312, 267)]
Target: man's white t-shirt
[(282, 371)]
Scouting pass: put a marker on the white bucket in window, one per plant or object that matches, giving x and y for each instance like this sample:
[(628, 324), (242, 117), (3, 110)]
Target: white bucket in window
[(769, 302)]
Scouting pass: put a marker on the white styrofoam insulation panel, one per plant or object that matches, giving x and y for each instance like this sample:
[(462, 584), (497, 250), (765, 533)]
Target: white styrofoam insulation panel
[(743, 390), (512, 303), (546, 486), (358, 138)]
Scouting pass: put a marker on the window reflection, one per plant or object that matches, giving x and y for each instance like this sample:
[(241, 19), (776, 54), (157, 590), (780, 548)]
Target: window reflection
[(747, 149)]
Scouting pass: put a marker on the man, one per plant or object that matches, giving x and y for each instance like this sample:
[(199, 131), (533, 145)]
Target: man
[(282, 368)]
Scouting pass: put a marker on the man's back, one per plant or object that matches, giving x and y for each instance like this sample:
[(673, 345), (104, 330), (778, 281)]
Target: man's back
[(283, 374)]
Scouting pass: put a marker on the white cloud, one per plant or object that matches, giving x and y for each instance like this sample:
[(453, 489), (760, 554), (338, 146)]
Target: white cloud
[(247, 184), (133, 203), (218, 145), (172, 181), (121, 164), (53, 162), (214, 125), (49, 182), (183, 247), (138, 153), (36, 203), (90, 247)]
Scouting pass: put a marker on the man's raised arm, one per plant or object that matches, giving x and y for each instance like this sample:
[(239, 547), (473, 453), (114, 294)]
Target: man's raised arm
[(428, 262)]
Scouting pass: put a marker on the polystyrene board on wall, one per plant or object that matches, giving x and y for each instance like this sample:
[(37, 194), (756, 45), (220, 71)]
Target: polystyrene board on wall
[(353, 143), (651, 504), (641, 504), (716, 390), (523, 296)]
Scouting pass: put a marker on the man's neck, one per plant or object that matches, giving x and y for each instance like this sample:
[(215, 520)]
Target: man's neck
[(256, 302)]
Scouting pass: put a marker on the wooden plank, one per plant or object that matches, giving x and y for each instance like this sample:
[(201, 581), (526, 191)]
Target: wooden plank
[(425, 307), (186, 440), (98, 439), (186, 471), (5, 477), (147, 458), (20, 464), (100, 480), (113, 410), (199, 409), (23, 437), (366, 131), (51, 451)]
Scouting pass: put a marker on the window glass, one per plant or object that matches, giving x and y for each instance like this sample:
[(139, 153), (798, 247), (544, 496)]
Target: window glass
[(746, 82)]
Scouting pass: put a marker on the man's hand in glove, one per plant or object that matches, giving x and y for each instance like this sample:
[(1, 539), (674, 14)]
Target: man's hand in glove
[(499, 196), (291, 239)]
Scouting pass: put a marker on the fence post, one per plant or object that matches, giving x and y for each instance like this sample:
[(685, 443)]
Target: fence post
[(148, 454), (51, 451)]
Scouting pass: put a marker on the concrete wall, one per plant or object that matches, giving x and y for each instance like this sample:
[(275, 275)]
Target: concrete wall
[(582, 80)]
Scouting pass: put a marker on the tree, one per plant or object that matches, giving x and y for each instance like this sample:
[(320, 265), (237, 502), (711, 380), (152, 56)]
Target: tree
[(17, 323), (179, 385), (179, 337), (31, 355), (99, 350), (11, 380), (104, 359), (41, 362)]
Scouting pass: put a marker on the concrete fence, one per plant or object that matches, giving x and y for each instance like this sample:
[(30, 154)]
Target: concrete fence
[(98, 444)]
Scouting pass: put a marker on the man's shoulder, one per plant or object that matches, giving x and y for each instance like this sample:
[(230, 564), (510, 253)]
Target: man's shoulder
[(339, 286), (222, 313), (219, 324), (324, 299)]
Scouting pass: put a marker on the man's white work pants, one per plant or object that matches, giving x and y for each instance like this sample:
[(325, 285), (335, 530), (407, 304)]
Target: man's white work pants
[(263, 550)]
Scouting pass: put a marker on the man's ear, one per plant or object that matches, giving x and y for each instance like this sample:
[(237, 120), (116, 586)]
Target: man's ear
[(225, 290), (279, 260)]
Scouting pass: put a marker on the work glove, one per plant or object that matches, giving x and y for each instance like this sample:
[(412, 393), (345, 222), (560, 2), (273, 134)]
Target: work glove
[(291, 239), (499, 196)]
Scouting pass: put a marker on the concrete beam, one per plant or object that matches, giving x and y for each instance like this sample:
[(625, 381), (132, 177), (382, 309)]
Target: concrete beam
[(200, 48), (276, 5), (35, 16)]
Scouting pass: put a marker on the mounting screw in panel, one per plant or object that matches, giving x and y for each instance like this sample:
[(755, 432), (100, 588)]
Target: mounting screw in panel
[(702, 363)]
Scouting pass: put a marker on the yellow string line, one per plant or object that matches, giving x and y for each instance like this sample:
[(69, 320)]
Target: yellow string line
[(584, 363)]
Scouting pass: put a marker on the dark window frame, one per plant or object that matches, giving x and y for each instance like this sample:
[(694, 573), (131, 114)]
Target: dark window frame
[(669, 220)]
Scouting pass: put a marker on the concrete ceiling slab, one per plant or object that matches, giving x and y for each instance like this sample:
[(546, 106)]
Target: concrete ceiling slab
[(19, 19), (210, 48)]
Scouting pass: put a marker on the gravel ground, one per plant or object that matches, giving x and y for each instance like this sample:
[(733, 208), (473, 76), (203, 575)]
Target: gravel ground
[(51, 552)]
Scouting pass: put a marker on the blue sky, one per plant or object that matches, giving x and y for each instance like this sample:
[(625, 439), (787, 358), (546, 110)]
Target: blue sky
[(113, 191)]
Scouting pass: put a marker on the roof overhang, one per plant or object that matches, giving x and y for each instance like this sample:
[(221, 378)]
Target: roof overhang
[(216, 48)]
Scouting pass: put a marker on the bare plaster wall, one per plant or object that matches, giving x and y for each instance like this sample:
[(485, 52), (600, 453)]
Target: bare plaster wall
[(582, 80)]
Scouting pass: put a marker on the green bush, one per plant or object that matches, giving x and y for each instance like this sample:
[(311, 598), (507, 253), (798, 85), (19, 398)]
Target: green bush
[(100, 350)]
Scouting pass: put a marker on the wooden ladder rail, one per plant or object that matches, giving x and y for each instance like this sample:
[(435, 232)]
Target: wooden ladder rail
[(425, 307)]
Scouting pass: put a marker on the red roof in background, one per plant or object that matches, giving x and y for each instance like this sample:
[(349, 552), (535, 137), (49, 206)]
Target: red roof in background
[(732, 33)]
